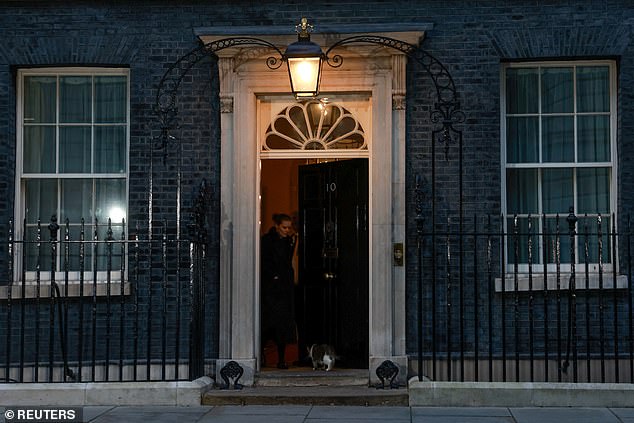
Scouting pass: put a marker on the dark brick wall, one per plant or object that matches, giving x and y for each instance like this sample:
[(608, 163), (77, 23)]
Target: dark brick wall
[(470, 37)]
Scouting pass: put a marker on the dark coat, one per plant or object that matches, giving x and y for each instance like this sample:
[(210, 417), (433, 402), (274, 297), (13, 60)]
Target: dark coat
[(278, 288)]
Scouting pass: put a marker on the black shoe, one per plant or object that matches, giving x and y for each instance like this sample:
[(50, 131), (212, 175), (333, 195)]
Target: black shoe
[(283, 366)]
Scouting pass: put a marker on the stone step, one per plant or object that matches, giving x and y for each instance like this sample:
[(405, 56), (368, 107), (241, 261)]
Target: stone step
[(305, 386), (309, 377), (309, 395)]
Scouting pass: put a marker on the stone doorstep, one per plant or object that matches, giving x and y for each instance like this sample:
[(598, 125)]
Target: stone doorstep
[(182, 393), (304, 386), (519, 394), (300, 377)]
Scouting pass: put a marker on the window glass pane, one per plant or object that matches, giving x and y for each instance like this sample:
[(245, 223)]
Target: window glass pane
[(39, 149), (588, 229), (522, 248), (76, 200), (109, 253), (276, 142), (110, 149), (41, 199), (38, 256), (557, 240), (558, 139), (521, 188), (557, 90), (522, 143), (39, 99), (593, 190), (593, 89), (593, 133), (557, 191), (314, 114), (110, 200), (76, 261), (111, 99), (353, 141), (521, 90), (75, 94), (344, 127), (330, 116), (297, 116), (74, 149)]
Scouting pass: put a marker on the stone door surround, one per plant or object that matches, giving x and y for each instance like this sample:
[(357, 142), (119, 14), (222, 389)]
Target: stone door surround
[(370, 69)]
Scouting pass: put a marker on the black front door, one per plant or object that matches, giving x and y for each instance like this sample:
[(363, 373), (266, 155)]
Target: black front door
[(333, 258)]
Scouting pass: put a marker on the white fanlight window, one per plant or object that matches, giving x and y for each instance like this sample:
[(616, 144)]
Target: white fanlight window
[(315, 125)]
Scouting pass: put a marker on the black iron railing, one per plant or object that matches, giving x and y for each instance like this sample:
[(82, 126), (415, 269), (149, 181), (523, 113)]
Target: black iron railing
[(122, 306), (524, 298), (519, 298)]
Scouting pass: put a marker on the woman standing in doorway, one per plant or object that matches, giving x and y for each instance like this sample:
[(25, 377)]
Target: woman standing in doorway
[(278, 308)]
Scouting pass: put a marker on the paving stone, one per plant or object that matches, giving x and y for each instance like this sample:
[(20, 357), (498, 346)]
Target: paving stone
[(154, 414), (623, 413), (563, 415), (289, 410), (251, 418), (461, 411), (462, 419), (363, 413), (92, 412)]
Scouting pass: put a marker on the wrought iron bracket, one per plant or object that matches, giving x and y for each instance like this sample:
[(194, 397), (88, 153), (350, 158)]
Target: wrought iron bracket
[(446, 109), (165, 107), (231, 373), (387, 371)]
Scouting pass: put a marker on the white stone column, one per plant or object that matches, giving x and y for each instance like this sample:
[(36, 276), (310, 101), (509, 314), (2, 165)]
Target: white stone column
[(242, 306), (387, 332), (381, 323), (236, 285), (399, 63), (227, 76)]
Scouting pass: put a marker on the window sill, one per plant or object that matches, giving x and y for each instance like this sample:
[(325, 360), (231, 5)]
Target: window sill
[(30, 289), (536, 283)]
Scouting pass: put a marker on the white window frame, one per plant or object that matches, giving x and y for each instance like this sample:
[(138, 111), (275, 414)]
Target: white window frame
[(523, 268), (19, 199)]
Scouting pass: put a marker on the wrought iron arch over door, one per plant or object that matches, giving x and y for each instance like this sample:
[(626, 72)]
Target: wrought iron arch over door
[(443, 116)]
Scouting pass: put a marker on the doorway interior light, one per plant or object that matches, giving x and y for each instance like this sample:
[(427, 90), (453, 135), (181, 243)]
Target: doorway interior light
[(304, 59)]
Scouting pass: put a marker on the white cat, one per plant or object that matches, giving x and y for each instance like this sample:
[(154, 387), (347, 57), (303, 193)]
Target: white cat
[(323, 356)]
